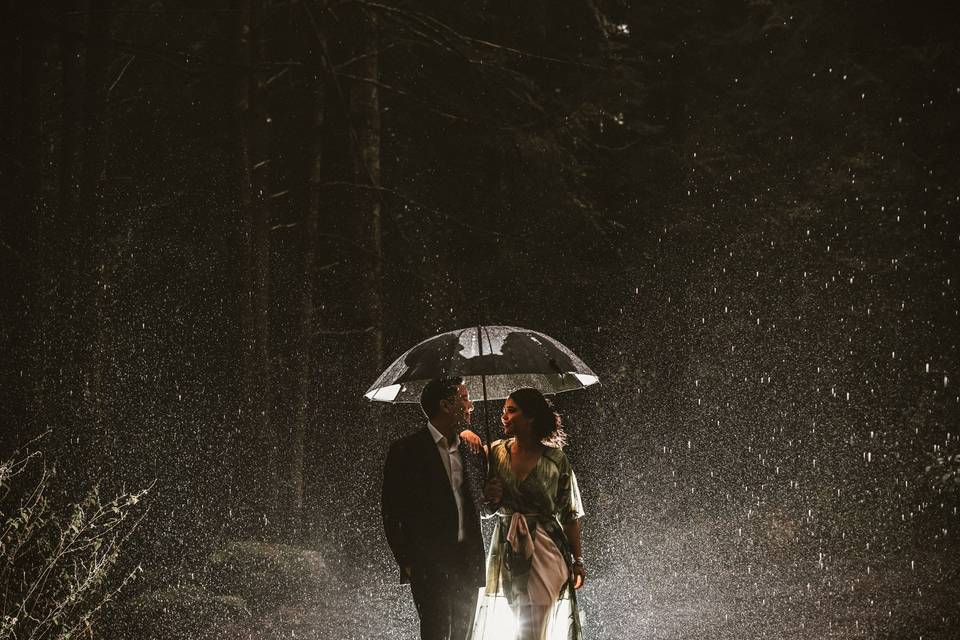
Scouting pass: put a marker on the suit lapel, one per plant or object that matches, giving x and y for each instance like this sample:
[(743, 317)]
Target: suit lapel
[(436, 473), (472, 476)]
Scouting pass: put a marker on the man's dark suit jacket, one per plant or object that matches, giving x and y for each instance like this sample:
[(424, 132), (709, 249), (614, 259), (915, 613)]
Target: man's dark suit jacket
[(420, 513)]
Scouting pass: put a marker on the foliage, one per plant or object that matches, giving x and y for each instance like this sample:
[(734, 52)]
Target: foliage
[(57, 567)]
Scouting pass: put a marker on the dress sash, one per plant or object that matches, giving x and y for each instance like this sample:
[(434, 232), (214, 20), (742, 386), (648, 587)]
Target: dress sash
[(518, 535)]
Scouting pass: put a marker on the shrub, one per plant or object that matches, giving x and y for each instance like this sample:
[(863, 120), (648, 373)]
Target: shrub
[(57, 561)]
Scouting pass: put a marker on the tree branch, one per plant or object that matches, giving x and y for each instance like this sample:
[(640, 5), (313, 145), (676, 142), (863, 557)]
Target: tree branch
[(428, 20), (407, 199)]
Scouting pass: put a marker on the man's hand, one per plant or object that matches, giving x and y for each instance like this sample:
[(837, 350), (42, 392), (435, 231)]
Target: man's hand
[(493, 491), (473, 440)]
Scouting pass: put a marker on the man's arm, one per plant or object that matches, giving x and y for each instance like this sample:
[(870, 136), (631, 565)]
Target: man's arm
[(393, 508)]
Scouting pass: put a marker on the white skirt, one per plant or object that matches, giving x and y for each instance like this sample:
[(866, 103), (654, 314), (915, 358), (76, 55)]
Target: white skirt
[(495, 619)]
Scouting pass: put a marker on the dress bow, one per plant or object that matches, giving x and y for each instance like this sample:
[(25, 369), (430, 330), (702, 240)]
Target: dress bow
[(519, 536)]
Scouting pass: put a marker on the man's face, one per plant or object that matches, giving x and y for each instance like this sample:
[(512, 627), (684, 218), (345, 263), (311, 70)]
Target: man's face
[(461, 407)]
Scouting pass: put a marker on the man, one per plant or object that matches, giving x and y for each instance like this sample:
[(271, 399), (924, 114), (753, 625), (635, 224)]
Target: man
[(431, 497)]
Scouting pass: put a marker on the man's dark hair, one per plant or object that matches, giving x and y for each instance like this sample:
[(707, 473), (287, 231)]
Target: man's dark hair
[(436, 390)]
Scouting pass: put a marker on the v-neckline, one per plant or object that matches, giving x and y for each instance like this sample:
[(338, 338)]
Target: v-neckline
[(510, 463)]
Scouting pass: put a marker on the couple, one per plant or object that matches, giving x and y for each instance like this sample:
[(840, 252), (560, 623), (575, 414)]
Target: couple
[(434, 491)]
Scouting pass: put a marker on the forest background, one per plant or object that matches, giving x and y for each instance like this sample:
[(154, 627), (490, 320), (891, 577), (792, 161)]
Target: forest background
[(221, 220)]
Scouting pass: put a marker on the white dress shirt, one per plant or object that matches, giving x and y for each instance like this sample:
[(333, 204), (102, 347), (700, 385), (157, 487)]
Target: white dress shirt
[(450, 455)]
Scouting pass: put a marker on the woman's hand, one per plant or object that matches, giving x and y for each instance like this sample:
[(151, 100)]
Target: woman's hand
[(579, 575), (473, 440), (493, 491)]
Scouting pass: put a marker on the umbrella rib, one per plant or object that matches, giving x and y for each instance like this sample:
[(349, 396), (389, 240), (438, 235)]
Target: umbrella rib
[(459, 335), (489, 341)]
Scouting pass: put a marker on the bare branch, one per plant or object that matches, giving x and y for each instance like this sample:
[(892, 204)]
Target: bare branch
[(411, 201), (442, 26), (406, 94), (55, 566), (344, 332), (120, 75)]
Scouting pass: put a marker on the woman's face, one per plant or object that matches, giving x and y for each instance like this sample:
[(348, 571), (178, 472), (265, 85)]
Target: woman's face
[(513, 419)]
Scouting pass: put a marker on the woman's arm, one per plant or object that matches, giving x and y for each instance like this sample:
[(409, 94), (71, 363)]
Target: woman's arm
[(572, 529), (492, 497), (473, 441)]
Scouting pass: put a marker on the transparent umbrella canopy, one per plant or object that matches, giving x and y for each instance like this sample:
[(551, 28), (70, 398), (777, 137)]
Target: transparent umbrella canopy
[(493, 361)]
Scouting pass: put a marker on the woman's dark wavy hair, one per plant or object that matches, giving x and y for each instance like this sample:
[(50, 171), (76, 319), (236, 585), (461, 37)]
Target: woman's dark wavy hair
[(546, 421)]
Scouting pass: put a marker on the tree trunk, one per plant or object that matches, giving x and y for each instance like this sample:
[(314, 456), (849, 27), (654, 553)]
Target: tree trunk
[(20, 173), (352, 147), (365, 121), (306, 374), (71, 82), (91, 230), (259, 436), (69, 136)]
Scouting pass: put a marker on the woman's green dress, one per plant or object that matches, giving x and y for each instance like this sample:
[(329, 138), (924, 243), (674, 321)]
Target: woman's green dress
[(549, 499)]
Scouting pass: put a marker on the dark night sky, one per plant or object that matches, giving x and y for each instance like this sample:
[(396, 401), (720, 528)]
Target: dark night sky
[(741, 215)]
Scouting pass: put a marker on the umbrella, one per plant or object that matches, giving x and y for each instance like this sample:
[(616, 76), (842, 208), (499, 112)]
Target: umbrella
[(492, 360)]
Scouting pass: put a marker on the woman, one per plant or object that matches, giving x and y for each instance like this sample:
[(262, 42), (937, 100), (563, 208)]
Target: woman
[(535, 559)]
